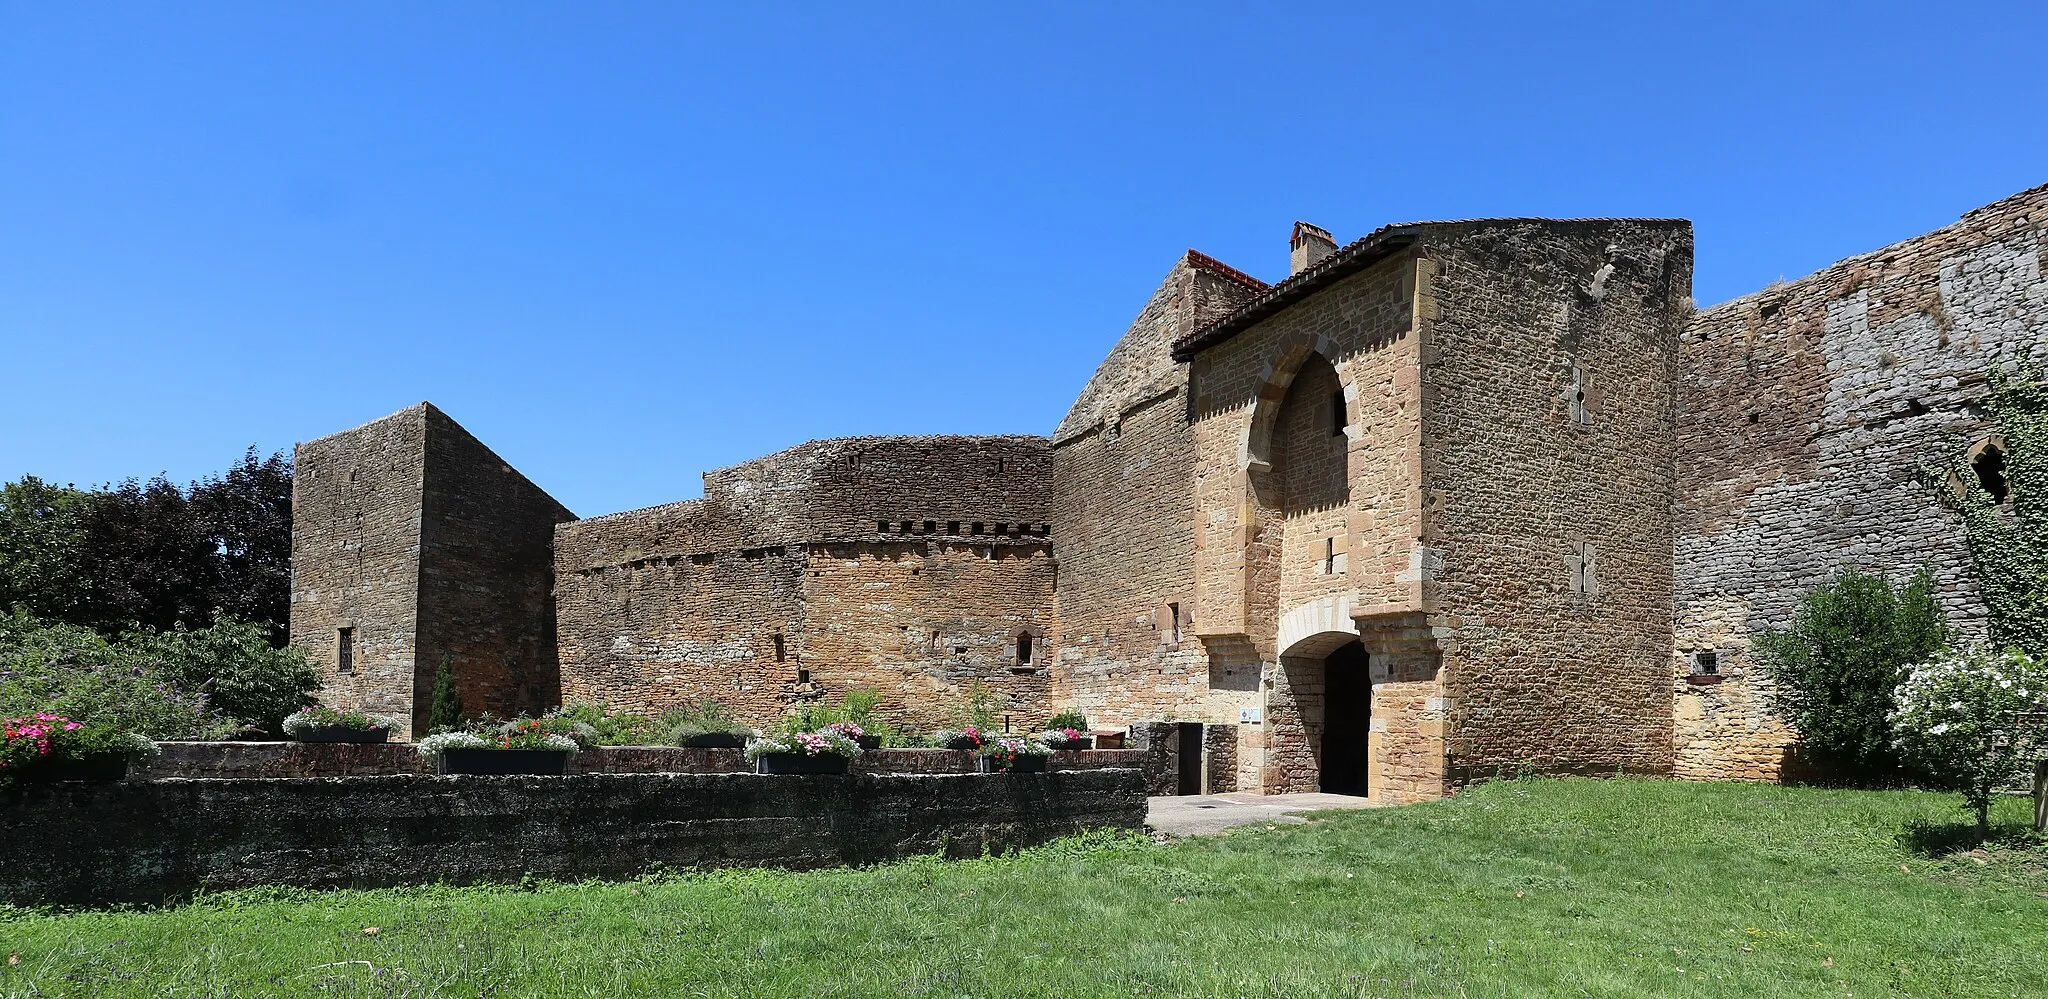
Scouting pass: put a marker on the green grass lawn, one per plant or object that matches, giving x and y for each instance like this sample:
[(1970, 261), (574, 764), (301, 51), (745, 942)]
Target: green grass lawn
[(1524, 888)]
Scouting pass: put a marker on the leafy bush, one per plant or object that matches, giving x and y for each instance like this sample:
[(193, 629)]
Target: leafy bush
[(41, 738), (1972, 721), (805, 743), (234, 664), (859, 707), (76, 672), (980, 710), (315, 718), (615, 728), (1069, 719), (1835, 669), (706, 717)]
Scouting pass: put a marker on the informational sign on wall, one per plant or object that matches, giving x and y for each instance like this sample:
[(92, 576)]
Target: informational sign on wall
[(1250, 716)]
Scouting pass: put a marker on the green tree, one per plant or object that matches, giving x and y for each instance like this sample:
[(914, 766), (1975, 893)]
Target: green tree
[(77, 672), (447, 711), (1834, 671), (42, 550), (152, 554), (235, 666)]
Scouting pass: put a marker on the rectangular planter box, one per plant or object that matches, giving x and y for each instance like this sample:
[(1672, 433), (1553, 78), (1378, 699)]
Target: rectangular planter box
[(800, 763), (504, 762)]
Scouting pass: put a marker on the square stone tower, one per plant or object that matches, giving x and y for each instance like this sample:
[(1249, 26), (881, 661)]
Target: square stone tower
[(413, 543), (1433, 504)]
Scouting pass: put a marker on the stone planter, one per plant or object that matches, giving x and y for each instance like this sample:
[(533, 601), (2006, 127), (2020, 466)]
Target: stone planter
[(102, 769), (964, 744), (339, 733), (1023, 765), (800, 763), (716, 740), (870, 742), (504, 762)]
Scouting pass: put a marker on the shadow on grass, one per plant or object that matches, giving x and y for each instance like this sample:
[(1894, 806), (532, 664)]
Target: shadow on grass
[(1942, 839)]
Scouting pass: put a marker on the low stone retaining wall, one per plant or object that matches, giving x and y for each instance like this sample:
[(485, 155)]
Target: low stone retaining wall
[(147, 841), (330, 759)]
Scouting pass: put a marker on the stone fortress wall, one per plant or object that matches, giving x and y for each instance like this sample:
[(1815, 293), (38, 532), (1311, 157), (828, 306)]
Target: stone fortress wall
[(1809, 415), (1456, 498), (911, 565)]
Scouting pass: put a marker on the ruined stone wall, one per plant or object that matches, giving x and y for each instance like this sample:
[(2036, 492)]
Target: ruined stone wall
[(1123, 501), (486, 584), (1546, 459), (1806, 415), (822, 567), (356, 511)]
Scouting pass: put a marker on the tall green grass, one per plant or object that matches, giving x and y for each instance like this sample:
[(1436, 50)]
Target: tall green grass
[(1522, 888)]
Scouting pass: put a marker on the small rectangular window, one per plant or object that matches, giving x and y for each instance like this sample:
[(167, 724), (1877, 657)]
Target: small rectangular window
[(1173, 614), (781, 650), (1706, 663), (1338, 418), (345, 650), (1024, 650)]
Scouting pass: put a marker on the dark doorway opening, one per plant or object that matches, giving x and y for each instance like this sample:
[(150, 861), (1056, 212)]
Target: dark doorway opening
[(1347, 720), (1189, 735)]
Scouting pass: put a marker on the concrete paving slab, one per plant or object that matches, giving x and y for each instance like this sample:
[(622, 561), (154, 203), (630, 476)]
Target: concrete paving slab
[(1209, 814)]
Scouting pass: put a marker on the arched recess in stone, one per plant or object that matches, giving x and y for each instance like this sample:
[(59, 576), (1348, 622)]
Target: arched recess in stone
[(1256, 450)]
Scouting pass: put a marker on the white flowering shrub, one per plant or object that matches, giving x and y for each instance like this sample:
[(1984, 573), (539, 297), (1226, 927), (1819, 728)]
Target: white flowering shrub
[(433, 746), (145, 749), (1970, 718), (826, 743), (317, 717)]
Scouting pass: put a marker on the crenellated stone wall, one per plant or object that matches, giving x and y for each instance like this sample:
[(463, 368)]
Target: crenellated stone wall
[(915, 566)]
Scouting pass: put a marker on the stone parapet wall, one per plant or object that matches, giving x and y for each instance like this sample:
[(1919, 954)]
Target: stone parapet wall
[(213, 760), (83, 844)]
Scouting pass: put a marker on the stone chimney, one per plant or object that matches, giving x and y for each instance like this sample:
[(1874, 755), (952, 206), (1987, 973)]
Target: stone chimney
[(1310, 245)]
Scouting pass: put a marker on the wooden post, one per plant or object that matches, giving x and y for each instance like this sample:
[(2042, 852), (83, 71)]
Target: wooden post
[(2040, 795)]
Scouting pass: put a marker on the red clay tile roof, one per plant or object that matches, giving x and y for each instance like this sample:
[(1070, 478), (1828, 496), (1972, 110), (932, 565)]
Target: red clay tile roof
[(1358, 255), (1197, 258)]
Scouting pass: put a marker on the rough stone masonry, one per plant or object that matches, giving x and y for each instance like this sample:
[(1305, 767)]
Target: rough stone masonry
[(1455, 499)]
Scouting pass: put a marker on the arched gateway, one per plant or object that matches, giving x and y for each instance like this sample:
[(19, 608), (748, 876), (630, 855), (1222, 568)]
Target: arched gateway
[(1322, 707)]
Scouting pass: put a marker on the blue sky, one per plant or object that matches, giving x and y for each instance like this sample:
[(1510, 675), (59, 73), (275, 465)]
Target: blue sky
[(626, 242)]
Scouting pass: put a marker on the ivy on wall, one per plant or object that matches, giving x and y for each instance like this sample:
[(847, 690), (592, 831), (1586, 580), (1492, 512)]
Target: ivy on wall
[(2001, 489)]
